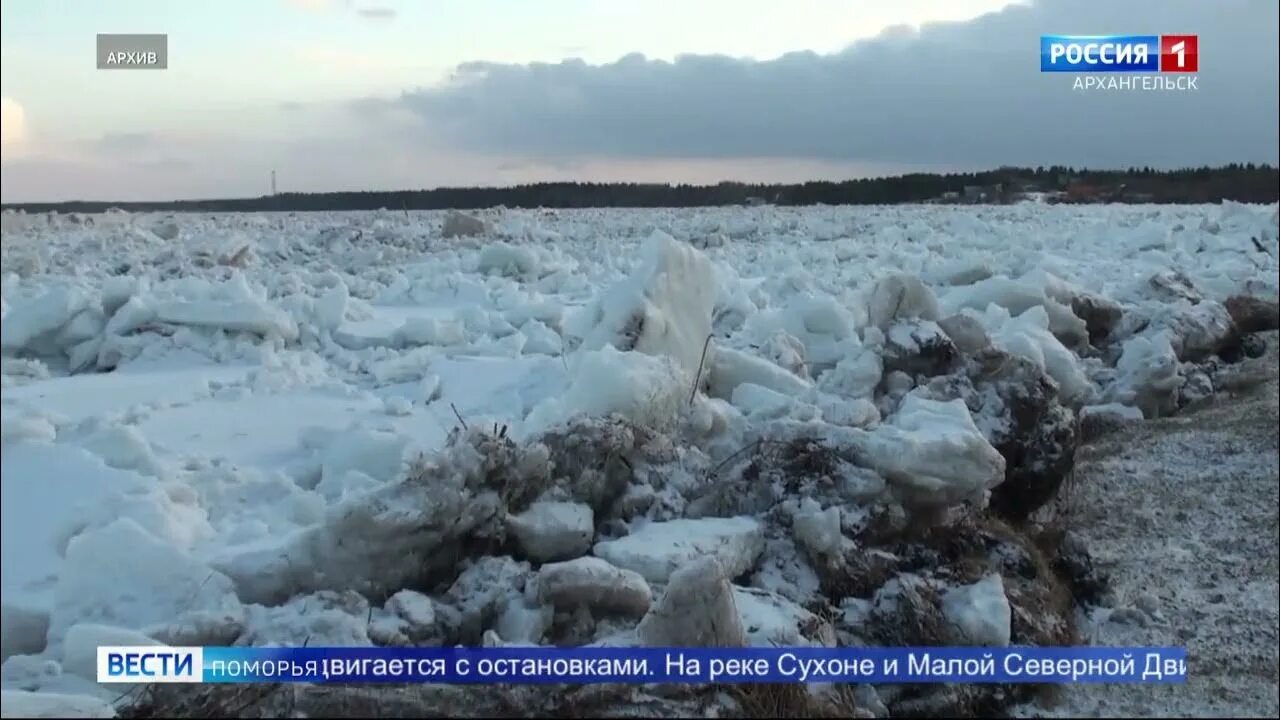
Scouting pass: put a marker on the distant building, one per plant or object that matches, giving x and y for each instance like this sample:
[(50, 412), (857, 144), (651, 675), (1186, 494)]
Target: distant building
[(1081, 192), (984, 193), (755, 201)]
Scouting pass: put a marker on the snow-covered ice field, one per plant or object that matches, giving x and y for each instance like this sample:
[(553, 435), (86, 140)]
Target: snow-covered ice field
[(220, 428)]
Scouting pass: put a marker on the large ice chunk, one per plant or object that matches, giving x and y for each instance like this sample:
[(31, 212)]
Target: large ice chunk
[(1017, 297), (25, 704), (120, 575), (665, 308), (1029, 335), (658, 549), (697, 610), (933, 451), (549, 531), (900, 296), (592, 583), (253, 316), (979, 613), (28, 323), (642, 388), (731, 368), (507, 259), (1148, 375)]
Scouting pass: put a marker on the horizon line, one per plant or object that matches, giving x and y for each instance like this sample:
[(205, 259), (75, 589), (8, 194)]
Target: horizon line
[(672, 184)]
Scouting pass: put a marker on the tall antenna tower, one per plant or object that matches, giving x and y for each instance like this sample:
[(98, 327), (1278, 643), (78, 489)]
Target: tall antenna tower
[(273, 182)]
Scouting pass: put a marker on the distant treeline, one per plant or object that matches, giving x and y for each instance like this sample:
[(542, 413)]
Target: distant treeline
[(1242, 183)]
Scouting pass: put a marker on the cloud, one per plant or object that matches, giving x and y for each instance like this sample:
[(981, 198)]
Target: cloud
[(959, 93), (164, 163), (365, 146), (341, 59), (125, 141), (372, 12), (377, 13), (13, 123), (328, 147), (149, 151), (311, 5)]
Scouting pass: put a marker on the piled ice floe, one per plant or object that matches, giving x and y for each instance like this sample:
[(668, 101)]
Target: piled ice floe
[(87, 330), (933, 451), (663, 309), (572, 428)]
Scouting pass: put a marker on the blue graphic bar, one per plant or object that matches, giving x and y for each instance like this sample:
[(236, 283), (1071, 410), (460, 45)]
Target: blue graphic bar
[(643, 665), (1099, 53)]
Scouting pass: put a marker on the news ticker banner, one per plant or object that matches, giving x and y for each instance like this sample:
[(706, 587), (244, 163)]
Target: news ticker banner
[(536, 665)]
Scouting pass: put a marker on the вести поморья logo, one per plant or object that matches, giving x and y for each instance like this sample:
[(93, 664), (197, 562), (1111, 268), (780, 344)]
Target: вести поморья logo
[(1116, 54)]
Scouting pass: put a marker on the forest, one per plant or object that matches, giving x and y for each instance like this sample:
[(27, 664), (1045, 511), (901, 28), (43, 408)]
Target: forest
[(1238, 182)]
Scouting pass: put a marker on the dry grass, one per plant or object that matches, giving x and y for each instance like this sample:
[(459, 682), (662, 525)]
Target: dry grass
[(769, 700), (697, 379), (1064, 508), (961, 551), (915, 620), (1042, 602), (967, 701), (807, 458), (858, 575), (204, 701), (423, 701)]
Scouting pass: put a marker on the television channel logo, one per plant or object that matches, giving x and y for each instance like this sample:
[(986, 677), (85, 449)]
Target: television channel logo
[(160, 664), (1120, 53)]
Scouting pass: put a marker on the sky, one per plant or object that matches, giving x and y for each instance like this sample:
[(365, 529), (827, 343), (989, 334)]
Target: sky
[(396, 94)]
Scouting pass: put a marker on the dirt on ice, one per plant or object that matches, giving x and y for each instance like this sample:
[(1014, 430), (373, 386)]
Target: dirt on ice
[(1181, 514)]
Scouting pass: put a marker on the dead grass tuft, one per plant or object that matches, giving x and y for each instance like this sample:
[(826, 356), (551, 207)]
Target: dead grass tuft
[(961, 701), (1040, 597), (962, 551), (807, 458), (859, 575), (915, 620), (791, 700), (594, 459), (203, 701)]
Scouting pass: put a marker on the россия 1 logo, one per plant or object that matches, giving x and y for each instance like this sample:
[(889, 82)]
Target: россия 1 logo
[(1179, 53), (1117, 54)]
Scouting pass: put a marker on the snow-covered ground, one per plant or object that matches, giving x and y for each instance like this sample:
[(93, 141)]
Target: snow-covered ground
[(198, 409), (1193, 558)]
